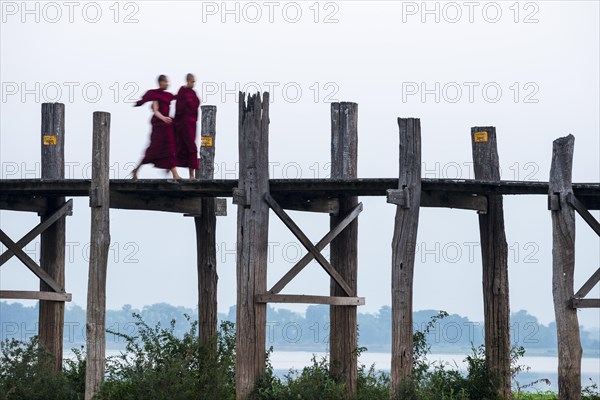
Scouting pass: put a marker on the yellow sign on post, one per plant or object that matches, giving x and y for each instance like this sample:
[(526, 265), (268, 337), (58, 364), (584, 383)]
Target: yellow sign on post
[(49, 140), (206, 141), (480, 137)]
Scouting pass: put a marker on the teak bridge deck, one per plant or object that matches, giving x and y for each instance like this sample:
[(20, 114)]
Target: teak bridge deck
[(255, 195)]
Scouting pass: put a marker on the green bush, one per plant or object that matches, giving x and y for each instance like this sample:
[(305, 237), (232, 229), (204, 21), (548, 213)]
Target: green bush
[(159, 365), (26, 372)]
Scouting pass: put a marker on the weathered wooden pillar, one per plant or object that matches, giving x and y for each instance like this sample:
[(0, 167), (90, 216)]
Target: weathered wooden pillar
[(408, 200), (563, 265), (252, 240), (494, 256), (52, 252), (99, 244), (344, 248), (206, 225)]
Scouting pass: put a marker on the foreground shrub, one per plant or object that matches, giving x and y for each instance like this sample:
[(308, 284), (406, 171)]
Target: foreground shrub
[(159, 365), (26, 372)]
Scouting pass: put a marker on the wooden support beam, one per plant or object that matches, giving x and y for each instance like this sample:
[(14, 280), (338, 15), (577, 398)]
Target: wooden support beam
[(177, 204), (285, 218), (399, 197), (23, 203), (100, 242), (52, 240), (240, 197), (404, 243), (585, 214), (494, 256), (206, 231), (464, 201), (563, 266), (252, 241), (343, 340), (308, 299), (308, 257), (587, 193), (301, 203), (585, 303), (32, 295), (588, 285)]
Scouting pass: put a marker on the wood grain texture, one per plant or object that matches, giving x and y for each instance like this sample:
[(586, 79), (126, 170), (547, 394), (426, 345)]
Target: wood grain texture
[(52, 240), (343, 341), (587, 193), (494, 255), (563, 266), (310, 299), (206, 231), (100, 242), (32, 295), (252, 241), (589, 284), (404, 242)]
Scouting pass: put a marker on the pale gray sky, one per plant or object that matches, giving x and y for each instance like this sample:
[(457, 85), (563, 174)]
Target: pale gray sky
[(530, 68)]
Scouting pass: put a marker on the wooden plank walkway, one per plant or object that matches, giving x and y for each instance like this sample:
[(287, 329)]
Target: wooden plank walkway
[(302, 187)]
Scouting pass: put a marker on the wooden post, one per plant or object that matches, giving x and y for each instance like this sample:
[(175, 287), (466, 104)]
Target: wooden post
[(404, 244), (252, 240), (100, 241), (563, 265), (494, 256), (344, 248), (206, 225), (52, 253)]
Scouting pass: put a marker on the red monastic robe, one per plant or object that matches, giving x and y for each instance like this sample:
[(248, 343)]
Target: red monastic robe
[(186, 118), (161, 151)]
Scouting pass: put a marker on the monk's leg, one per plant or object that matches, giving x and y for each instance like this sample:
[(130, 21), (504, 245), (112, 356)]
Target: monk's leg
[(192, 173), (135, 171), (175, 174)]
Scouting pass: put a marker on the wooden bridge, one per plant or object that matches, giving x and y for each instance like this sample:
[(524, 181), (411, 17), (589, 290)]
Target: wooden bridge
[(255, 195)]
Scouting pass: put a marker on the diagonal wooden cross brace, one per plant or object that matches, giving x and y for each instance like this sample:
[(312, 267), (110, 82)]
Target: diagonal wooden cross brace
[(314, 250), (16, 249), (583, 211), (66, 209), (588, 285)]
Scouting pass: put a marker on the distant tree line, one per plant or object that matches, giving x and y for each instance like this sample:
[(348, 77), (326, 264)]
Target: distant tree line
[(289, 331)]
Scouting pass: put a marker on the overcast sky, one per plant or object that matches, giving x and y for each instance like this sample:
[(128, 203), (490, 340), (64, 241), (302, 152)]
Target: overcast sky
[(531, 69)]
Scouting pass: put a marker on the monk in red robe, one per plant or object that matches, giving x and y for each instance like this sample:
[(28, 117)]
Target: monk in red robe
[(161, 151), (186, 119)]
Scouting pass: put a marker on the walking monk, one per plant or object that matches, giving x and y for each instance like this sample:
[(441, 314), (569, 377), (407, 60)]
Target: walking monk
[(186, 118), (161, 151)]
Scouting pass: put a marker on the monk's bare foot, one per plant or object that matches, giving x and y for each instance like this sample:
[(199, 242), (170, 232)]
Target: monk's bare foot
[(133, 175)]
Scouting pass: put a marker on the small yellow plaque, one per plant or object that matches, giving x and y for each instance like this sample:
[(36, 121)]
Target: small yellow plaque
[(49, 140), (206, 141), (480, 137)]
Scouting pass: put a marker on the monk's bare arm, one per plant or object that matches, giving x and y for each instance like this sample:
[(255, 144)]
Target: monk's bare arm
[(158, 115)]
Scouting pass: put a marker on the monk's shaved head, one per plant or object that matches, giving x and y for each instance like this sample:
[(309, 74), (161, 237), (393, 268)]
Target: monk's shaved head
[(189, 77), (162, 78)]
